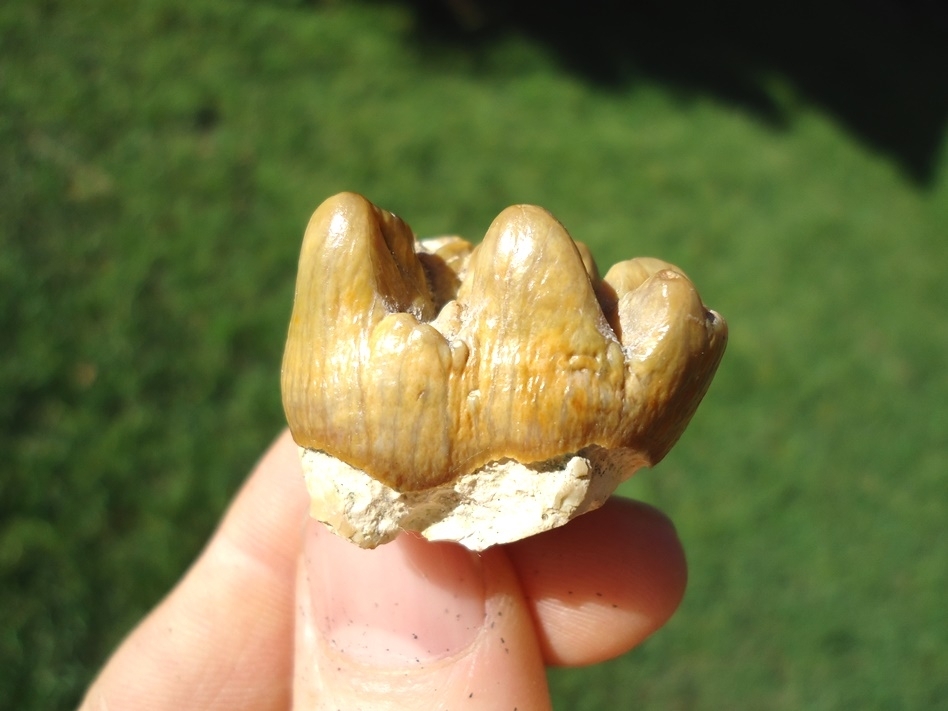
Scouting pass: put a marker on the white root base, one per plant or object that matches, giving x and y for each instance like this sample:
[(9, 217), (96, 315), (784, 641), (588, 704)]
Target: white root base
[(499, 503)]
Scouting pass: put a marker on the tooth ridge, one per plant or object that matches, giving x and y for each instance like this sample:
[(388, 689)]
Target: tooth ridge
[(357, 266), (527, 293)]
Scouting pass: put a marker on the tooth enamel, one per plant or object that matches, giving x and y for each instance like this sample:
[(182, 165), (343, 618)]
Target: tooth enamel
[(422, 379), (529, 306)]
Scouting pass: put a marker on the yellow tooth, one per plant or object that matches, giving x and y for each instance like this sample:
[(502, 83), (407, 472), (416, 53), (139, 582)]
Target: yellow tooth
[(423, 364), (363, 375), (673, 345)]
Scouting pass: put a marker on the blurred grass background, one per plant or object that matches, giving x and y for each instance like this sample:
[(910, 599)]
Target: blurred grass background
[(158, 163)]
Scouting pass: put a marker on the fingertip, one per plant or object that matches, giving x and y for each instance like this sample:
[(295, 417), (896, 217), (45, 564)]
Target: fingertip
[(602, 584)]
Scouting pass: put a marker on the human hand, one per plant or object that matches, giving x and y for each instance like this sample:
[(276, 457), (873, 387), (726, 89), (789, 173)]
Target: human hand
[(278, 613)]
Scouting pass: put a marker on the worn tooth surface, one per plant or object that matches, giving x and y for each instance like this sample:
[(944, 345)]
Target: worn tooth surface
[(445, 261), (442, 380), (673, 345)]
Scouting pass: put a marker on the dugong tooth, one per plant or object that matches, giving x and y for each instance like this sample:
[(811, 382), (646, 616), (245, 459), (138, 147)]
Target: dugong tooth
[(481, 394)]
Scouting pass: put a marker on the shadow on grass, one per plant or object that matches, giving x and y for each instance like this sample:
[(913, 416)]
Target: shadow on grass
[(881, 68)]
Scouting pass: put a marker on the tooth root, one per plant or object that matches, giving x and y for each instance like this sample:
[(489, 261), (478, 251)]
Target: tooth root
[(357, 265), (673, 344), (545, 363)]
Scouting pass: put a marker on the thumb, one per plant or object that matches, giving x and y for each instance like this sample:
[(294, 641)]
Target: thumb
[(412, 625)]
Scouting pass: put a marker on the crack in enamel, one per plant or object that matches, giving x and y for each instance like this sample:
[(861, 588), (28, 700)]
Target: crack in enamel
[(422, 362)]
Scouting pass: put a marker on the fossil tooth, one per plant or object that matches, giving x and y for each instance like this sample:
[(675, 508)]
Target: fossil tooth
[(481, 394), (547, 366), (673, 345), (359, 349)]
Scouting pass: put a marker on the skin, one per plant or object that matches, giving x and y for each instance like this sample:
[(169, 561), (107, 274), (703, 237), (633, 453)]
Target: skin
[(278, 613)]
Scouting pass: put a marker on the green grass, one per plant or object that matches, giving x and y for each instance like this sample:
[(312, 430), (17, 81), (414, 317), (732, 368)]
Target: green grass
[(158, 162)]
